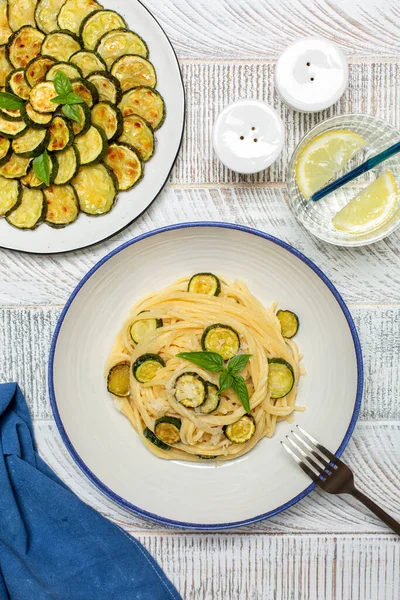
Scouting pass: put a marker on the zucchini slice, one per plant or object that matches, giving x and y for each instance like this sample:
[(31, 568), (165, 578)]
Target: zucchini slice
[(71, 71), (15, 168), (32, 143), (31, 180), (68, 165), (107, 86), (61, 45), (46, 14), (62, 205), (190, 390), (92, 146), (146, 366), (149, 435), (125, 163), (73, 12), (5, 150), (88, 62), (289, 323), (140, 329), (40, 97), (280, 377), (34, 119), (85, 90), (212, 399), (167, 429), (5, 31), (120, 42), (11, 114), (242, 431), (222, 339), (5, 66), (139, 134), (96, 187), (118, 379), (61, 134), (204, 283), (146, 103), (204, 457), (24, 45), (11, 129), (21, 12), (36, 69), (17, 84), (97, 24), (133, 70), (85, 120), (30, 212), (10, 195), (109, 118)]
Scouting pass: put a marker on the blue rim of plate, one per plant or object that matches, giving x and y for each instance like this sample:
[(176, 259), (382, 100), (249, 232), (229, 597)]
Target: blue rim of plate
[(128, 505)]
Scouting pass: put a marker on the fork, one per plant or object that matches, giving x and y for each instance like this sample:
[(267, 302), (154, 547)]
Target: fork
[(330, 473)]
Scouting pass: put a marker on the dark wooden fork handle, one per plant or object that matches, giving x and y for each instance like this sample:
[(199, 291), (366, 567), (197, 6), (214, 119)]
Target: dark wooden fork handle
[(377, 510)]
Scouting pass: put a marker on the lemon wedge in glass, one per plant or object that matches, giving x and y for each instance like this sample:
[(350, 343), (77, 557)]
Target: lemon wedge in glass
[(371, 208), (323, 156)]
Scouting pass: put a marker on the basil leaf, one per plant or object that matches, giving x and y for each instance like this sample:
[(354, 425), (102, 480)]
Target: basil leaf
[(62, 84), (59, 99), (72, 98), (238, 362), (211, 361), (72, 112), (10, 101), (225, 381), (41, 167), (240, 388)]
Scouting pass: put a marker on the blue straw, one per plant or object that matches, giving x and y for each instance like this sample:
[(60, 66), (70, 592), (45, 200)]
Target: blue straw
[(367, 166)]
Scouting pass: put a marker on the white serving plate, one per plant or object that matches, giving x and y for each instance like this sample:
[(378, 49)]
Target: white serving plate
[(101, 440), (88, 230)]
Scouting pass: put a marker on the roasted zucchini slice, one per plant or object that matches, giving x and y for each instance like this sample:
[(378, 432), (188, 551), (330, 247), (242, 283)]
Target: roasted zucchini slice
[(40, 97), (73, 12), (21, 12), (30, 212), (109, 118), (62, 205), (15, 168), (31, 180), (24, 45), (133, 70), (61, 134), (149, 435), (5, 66), (222, 339), (146, 103), (92, 146), (5, 31), (139, 134), (5, 150), (145, 367), (118, 379), (96, 187), (36, 69), (242, 431), (120, 42), (10, 195), (46, 14), (125, 163), (68, 165), (204, 283), (85, 120), (289, 323), (107, 86), (88, 62), (167, 429), (280, 377), (17, 84), (32, 143), (61, 45), (11, 129), (190, 389), (11, 114), (34, 119), (97, 24), (71, 71), (86, 90), (212, 399), (140, 329)]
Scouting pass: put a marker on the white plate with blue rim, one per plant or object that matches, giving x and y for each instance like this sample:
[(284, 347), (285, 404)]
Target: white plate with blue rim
[(264, 481), (88, 230)]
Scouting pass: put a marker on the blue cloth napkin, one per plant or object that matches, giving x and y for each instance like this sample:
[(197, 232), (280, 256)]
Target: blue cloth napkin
[(52, 545)]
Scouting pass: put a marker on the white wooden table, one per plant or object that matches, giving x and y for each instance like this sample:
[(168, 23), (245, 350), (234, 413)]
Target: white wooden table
[(324, 548)]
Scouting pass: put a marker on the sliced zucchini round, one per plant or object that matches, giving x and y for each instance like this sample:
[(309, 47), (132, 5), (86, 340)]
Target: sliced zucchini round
[(11, 114), (73, 12), (11, 129), (86, 90), (242, 431), (280, 377), (222, 339), (107, 86), (204, 283), (30, 212), (119, 42), (61, 45), (5, 66), (146, 103), (5, 30), (92, 146), (190, 390), (212, 399), (15, 168), (118, 379), (167, 429), (204, 457), (21, 12), (5, 150), (34, 119), (41, 96), (68, 165), (36, 69), (97, 24), (88, 62), (146, 366), (61, 134), (109, 118), (10, 195), (139, 134), (24, 45), (289, 323), (46, 14), (85, 120), (17, 84), (149, 435), (71, 71), (96, 187), (32, 143), (125, 163), (133, 70), (31, 180), (140, 329), (62, 205)]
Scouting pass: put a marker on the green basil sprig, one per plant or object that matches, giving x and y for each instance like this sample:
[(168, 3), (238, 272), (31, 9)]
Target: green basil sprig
[(66, 97), (10, 101), (41, 167)]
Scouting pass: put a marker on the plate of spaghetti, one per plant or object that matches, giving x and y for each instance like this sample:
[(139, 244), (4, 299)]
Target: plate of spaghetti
[(185, 356)]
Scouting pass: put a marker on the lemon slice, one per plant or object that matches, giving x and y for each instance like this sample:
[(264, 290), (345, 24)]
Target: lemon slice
[(323, 156), (371, 208)]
